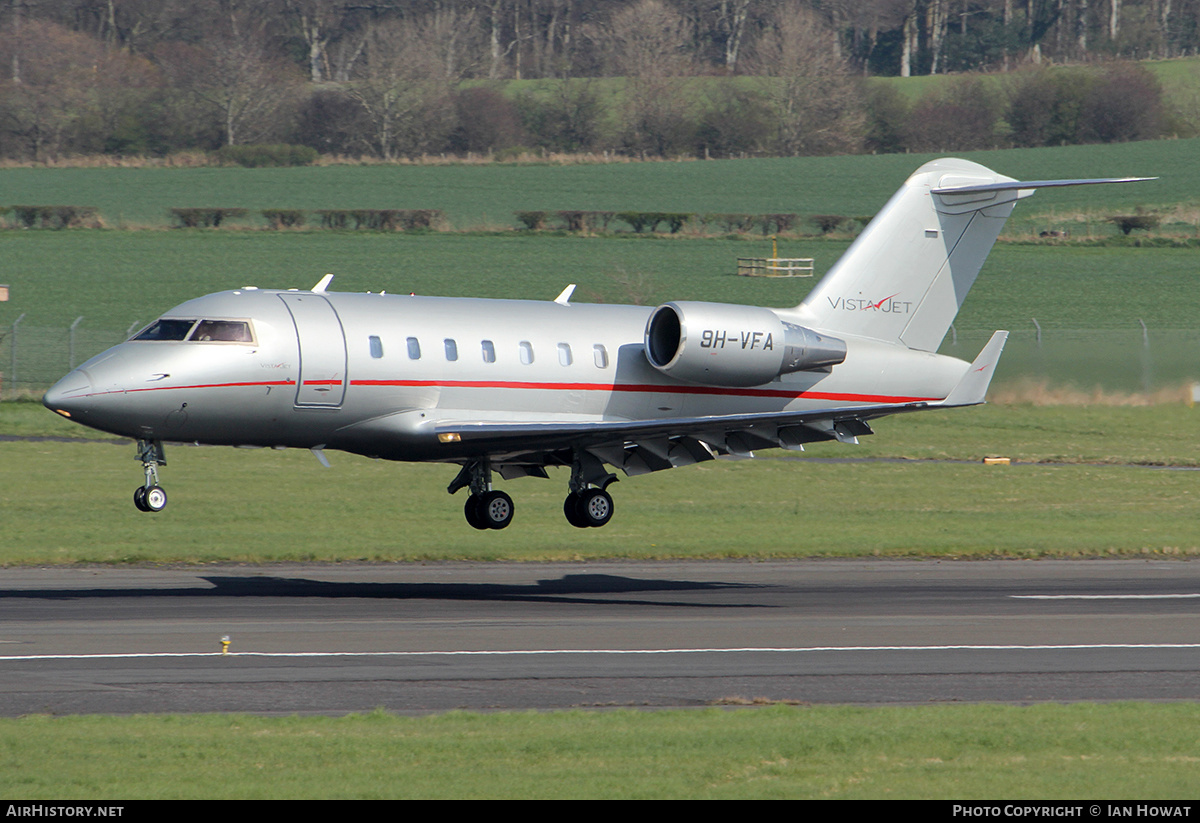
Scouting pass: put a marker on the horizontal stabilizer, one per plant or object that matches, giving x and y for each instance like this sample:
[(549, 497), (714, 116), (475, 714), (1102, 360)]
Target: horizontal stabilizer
[(973, 386), (1021, 185)]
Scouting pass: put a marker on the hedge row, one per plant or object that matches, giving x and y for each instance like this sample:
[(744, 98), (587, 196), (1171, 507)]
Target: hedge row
[(654, 221), (52, 217), (376, 219), (383, 219)]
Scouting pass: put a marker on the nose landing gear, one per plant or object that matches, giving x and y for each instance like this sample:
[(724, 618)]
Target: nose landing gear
[(150, 496)]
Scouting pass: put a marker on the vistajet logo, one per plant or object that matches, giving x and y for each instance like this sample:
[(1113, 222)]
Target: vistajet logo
[(888, 305)]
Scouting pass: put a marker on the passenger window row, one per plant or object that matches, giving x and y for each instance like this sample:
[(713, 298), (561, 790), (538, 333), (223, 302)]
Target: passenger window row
[(488, 351)]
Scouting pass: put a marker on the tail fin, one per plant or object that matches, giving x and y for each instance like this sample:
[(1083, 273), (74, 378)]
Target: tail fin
[(906, 276)]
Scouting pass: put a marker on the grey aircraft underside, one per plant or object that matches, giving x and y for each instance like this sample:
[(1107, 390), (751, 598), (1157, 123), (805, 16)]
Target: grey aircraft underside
[(516, 386)]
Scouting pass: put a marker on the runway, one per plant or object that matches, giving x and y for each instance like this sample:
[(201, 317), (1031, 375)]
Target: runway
[(429, 638)]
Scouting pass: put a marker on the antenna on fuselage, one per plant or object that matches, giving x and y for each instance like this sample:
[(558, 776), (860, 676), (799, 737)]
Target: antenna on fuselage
[(324, 284), (565, 297)]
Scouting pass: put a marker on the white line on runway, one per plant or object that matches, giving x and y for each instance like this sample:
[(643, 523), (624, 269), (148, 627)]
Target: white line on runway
[(1103, 596), (516, 652)]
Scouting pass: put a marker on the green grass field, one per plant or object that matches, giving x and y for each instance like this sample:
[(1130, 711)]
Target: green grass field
[(485, 196), (114, 279), (1049, 752), (1087, 300), (1087, 491)]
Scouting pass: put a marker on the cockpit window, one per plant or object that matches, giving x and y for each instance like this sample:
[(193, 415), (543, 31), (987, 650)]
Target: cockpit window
[(205, 331), (166, 329), (222, 331)]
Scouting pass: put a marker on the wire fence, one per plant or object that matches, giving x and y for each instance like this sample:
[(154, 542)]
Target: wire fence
[(32, 358), (1137, 359), (1130, 360)]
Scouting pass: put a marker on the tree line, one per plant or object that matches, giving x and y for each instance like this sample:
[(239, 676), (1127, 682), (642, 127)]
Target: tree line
[(640, 77)]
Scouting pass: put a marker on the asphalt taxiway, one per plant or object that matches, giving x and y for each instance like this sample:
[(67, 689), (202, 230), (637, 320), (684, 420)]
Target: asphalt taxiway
[(427, 638)]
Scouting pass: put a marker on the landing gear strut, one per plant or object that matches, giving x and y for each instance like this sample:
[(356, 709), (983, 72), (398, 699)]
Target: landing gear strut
[(150, 496), (486, 508)]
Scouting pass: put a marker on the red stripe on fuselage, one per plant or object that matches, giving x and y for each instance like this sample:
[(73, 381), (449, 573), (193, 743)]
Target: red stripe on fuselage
[(644, 388), (250, 384), (638, 388)]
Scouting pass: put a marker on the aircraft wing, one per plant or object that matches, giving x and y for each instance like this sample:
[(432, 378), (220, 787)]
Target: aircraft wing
[(524, 447), (518, 448)]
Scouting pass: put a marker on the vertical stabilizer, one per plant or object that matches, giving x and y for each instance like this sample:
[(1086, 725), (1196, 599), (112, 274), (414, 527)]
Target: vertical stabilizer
[(905, 277)]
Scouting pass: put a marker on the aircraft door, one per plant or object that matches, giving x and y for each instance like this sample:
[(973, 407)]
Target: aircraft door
[(322, 380)]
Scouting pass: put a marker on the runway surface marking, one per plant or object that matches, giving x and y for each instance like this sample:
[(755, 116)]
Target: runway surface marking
[(527, 652)]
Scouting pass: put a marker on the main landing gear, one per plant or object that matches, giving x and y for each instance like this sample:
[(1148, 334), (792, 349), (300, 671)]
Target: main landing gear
[(486, 508), (587, 506), (150, 496), (489, 510)]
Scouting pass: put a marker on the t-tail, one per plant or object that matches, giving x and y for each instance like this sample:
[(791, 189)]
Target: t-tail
[(906, 276)]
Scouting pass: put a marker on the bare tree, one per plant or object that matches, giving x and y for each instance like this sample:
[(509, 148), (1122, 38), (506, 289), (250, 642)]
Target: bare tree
[(53, 86), (816, 105), (650, 45), (238, 78), (403, 88), (319, 22)]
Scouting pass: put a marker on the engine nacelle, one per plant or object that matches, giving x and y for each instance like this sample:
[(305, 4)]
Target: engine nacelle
[(724, 345)]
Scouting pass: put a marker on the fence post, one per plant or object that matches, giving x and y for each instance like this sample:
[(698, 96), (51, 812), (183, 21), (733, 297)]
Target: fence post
[(1147, 365), (12, 350), (71, 345)]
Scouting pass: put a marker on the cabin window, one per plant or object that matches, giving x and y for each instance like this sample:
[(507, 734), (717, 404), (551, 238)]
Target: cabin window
[(376, 346), (564, 354), (526, 352), (414, 349), (451, 350), (600, 354), (164, 329), (489, 351)]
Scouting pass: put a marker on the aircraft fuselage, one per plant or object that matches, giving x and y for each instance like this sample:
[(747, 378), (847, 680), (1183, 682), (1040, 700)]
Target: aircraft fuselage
[(335, 370)]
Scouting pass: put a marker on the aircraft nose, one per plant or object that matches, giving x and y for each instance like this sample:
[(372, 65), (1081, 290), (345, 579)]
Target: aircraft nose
[(68, 395)]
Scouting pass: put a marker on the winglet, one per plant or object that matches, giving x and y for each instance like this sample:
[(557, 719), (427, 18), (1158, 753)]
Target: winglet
[(974, 384), (323, 284)]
